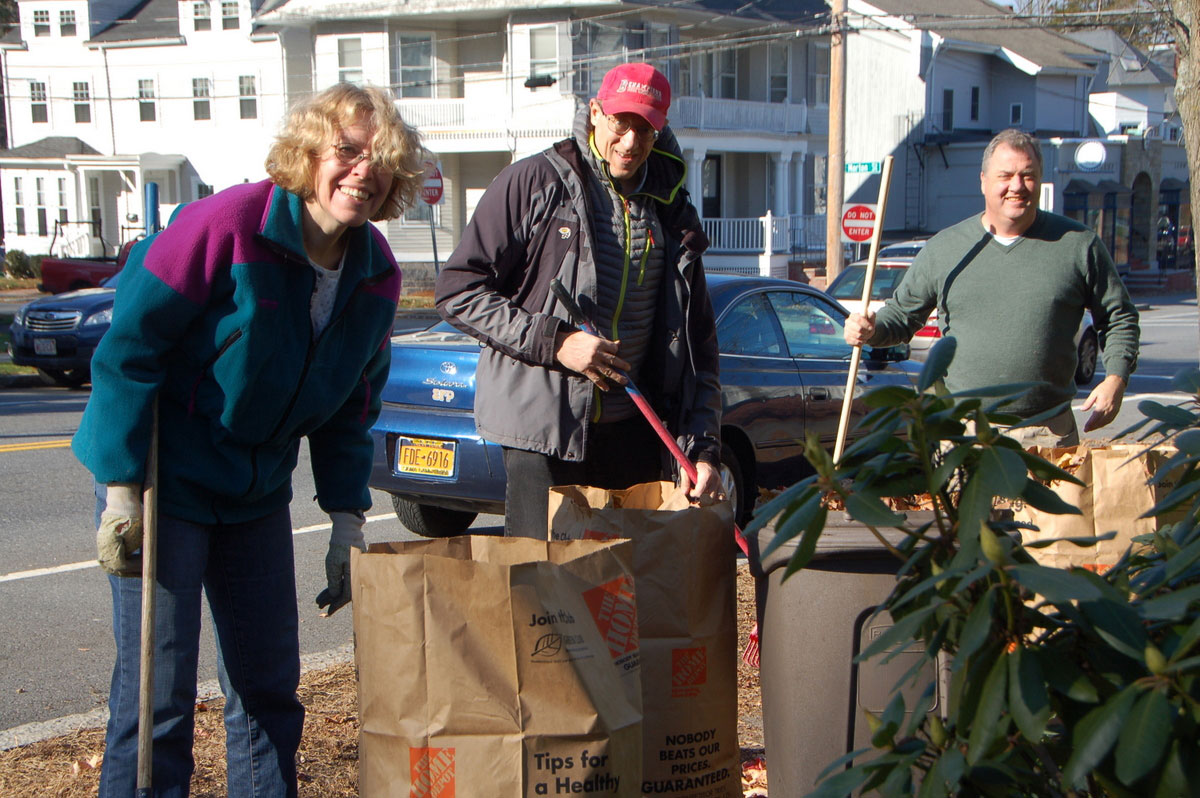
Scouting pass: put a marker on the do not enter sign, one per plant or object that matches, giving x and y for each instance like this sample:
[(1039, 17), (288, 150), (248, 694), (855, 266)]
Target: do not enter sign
[(431, 190), (858, 223)]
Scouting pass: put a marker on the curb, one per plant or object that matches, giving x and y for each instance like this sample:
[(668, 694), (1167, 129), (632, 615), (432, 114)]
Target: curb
[(21, 381), (97, 718)]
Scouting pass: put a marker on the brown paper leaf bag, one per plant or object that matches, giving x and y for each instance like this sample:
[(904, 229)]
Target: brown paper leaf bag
[(1114, 495), (685, 570), (497, 667)]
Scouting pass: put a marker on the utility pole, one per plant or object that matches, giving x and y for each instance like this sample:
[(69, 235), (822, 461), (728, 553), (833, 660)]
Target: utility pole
[(836, 162)]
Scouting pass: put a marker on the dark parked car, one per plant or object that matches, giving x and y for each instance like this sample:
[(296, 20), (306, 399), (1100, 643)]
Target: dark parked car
[(58, 334), (783, 375)]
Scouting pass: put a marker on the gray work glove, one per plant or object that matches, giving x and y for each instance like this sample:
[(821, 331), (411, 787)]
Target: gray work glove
[(119, 538), (347, 532)]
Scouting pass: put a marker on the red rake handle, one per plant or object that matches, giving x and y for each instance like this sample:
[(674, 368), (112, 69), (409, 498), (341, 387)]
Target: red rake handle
[(639, 399)]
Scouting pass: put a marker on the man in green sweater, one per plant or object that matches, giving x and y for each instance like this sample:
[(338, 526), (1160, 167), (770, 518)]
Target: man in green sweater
[(1011, 286)]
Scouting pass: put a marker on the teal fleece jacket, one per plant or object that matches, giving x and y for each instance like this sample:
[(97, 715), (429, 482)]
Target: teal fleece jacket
[(1014, 310), (212, 317)]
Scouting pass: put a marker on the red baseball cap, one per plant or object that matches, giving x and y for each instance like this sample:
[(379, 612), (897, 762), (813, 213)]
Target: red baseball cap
[(636, 89)]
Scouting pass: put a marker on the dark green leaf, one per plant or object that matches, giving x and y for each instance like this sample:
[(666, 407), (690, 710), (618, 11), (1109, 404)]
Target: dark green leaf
[(1027, 697), (841, 762), (977, 627), (950, 461), (1174, 499), (842, 784), (1119, 625), (768, 511), (1045, 470), (1095, 734), (1173, 778), (1168, 414), (944, 777), (1057, 585), (986, 726), (920, 708), (937, 363), (871, 511), (899, 635), (797, 518), (807, 547), (1003, 471), (1186, 642), (1082, 541), (1041, 418), (889, 396), (1144, 737), (927, 584), (1188, 443), (868, 443), (1183, 665), (1064, 676), (1182, 561), (1171, 606), (1038, 495), (889, 722), (974, 507)]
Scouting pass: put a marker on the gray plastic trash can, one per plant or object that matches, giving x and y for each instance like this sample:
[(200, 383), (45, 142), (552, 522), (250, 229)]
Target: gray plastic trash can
[(811, 628)]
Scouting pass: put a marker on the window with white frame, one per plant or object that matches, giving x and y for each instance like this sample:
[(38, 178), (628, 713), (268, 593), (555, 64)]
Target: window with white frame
[(41, 22), (1016, 114), (39, 108), (201, 16), (412, 75), (201, 99), (146, 105), (778, 71), (420, 213), (81, 94), (94, 204), (19, 206), (43, 227), (350, 60), (62, 199), (229, 15), (687, 83), (66, 22), (543, 52), (724, 74), (818, 72), (247, 97)]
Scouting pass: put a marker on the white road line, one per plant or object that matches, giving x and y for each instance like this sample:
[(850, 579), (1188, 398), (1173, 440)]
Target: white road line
[(79, 566)]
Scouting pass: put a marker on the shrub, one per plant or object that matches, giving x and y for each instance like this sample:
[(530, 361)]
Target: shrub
[(17, 264), (1062, 682)]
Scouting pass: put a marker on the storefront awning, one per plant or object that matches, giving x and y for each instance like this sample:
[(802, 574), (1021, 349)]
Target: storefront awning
[(1173, 184), (1113, 187), (1077, 186)]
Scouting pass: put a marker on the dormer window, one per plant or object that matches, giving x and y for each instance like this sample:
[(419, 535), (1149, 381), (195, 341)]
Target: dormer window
[(41, 22), (229, 15), (201, 16), (66, 22)]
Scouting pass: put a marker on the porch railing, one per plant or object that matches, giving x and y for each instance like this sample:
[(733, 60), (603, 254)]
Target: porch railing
[(795, 234)]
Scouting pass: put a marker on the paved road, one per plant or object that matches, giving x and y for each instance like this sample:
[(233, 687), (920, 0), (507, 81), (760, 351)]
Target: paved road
[(56, 648)]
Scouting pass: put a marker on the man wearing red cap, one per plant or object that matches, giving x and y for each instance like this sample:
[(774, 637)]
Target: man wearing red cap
[(604, 211)]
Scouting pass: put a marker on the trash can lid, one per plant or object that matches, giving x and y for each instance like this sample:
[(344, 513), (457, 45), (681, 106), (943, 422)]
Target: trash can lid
[(843, 538)]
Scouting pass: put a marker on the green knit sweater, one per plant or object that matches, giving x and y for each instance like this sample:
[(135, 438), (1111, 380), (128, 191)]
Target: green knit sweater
[(1014, 310)]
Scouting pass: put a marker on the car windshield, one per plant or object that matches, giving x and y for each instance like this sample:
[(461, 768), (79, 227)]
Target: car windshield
[(849, 284), (900, 251)]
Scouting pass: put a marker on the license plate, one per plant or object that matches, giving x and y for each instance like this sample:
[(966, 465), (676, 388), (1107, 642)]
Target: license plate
[(426, 457), (45, 346)]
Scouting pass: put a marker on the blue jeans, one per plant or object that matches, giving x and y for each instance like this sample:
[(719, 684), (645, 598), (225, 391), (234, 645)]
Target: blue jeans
[(247, 572)]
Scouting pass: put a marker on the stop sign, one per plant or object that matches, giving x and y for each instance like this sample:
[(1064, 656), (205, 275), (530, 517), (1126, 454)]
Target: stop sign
[(431, 190), (858, 223)]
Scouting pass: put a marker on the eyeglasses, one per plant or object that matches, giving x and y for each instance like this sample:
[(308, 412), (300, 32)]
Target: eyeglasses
[(350, 154), (620, 127)]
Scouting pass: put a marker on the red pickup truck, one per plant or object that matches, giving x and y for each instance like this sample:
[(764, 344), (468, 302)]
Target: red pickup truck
[(72, 274)]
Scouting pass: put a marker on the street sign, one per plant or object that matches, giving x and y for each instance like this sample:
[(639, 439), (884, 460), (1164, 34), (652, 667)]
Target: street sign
[(858, 223), (864, 167), (431, 190)]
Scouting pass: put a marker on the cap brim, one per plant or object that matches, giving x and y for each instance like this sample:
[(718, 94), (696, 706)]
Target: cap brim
[(655, 117)]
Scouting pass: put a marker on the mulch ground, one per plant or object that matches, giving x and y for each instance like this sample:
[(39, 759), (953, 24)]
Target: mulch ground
[(69, 766)]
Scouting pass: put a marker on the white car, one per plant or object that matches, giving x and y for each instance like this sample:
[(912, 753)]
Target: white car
[(847, 287)]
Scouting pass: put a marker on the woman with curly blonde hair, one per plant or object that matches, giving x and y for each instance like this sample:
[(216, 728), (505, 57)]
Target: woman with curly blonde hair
[(260, 315)]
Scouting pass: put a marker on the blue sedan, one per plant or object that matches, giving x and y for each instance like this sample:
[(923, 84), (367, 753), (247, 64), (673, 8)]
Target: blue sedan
[(783, 375)]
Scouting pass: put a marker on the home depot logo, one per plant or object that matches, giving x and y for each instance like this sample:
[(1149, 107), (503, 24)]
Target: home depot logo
[(612, 607), (432, 772), (689, 671)]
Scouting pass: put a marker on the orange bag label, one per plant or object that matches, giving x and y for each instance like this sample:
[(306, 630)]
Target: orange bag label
[(689, 670), (612, 607), (432, 772)]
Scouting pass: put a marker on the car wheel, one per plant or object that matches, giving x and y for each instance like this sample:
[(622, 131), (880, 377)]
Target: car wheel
[(734, 485), (70, 378), (1089, 351), (432, 522)]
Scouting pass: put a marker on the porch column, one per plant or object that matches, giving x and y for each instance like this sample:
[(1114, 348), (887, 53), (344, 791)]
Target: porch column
[(782, 162), (695, 177), (800, 200)]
